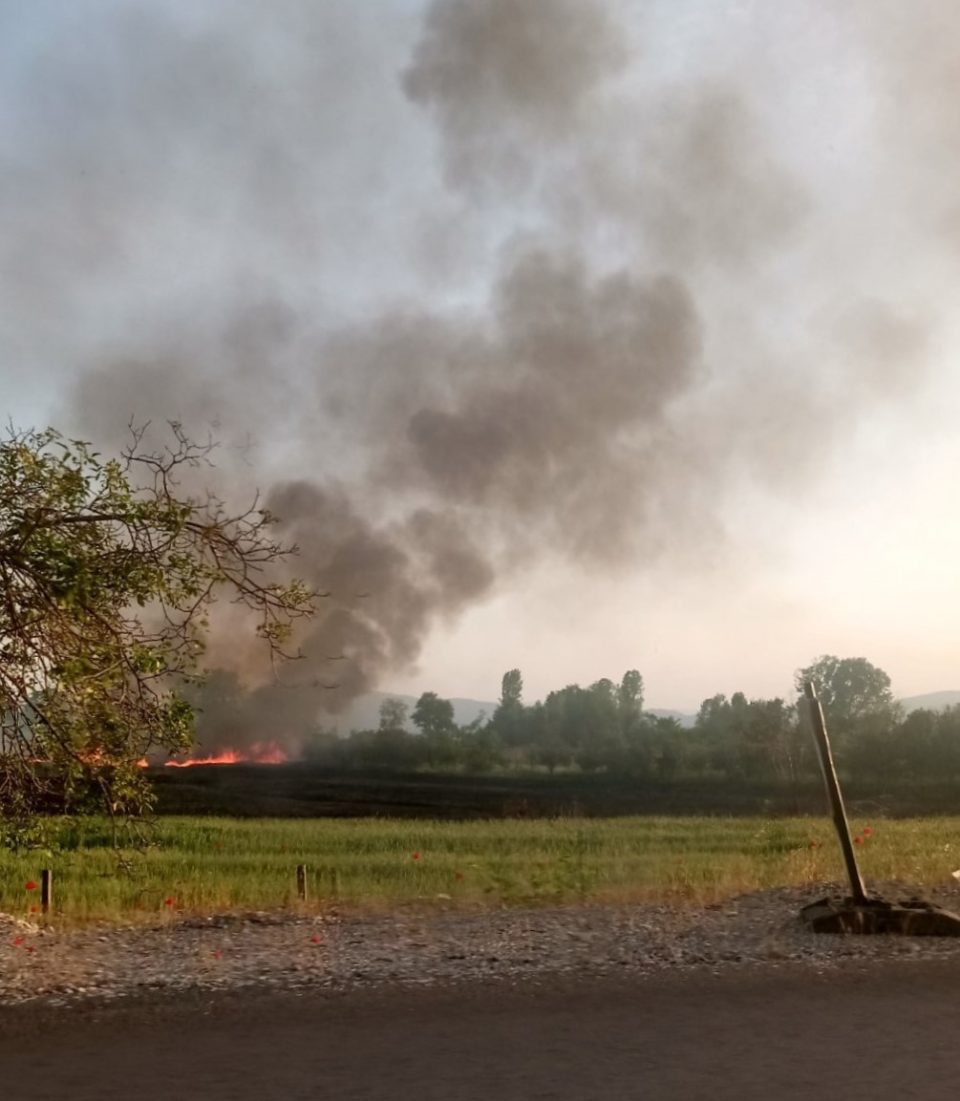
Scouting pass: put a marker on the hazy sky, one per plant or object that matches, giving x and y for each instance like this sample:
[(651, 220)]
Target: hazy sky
[(583, 335)]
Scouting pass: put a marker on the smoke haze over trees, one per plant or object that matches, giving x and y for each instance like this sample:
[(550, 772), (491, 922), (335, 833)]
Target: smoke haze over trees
[(603, 729), (468, 290)]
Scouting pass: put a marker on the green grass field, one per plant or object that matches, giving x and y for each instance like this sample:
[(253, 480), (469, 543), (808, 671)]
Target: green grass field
[(205, 865)]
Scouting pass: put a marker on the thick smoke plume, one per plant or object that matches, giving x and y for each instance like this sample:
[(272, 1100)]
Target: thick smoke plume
[(601, 375), (507, 82)]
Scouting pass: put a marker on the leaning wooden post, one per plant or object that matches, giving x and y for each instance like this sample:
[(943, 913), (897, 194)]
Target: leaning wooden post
[(46, 890), (862, 913), (302, 882), (827, 767)]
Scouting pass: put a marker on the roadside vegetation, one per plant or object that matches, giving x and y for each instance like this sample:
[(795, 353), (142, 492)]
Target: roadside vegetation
[(207, 865)]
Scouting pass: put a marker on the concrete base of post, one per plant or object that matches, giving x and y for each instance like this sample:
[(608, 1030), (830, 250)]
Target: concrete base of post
[(874, 916)]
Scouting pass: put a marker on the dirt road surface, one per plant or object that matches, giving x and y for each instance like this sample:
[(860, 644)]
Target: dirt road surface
[(873, 1030)]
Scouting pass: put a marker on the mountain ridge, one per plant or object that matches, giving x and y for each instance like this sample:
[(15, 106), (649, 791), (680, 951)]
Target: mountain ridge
[(933, 701)]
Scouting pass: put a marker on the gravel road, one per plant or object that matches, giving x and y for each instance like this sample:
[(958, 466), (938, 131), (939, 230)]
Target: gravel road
[(340, 952), (643, 1001)]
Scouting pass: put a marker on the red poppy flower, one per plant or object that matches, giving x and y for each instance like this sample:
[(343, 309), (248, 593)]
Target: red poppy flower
[(17, 941), (30, 885), (29, 948), (414, 856), (34, 909), (314, 939), (858, 841), (867, 831), (169, 902)]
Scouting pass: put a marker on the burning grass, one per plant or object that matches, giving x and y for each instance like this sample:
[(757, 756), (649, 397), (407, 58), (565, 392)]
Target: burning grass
[(211, 865)]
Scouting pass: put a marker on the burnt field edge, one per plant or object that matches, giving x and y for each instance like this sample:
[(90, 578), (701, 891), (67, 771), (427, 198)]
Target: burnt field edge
[(302, 790)]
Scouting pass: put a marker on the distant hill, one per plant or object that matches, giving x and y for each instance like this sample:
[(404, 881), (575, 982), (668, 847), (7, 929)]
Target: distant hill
[(684, 718), (364, 712), (932, 701)]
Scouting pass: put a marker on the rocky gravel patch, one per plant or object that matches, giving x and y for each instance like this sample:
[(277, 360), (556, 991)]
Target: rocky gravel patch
[(342, 951)]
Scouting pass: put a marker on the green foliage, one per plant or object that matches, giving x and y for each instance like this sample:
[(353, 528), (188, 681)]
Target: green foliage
[(508, 719), (393, 714), (753, 739), (511, 690), (107, 575), (630, 698), (433, 716), (855, 695)]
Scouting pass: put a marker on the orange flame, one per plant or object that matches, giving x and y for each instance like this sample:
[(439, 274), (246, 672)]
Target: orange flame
[(260, 753)]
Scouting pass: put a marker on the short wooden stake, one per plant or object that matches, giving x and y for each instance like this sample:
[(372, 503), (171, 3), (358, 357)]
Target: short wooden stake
[(46, 890), (302, 882)]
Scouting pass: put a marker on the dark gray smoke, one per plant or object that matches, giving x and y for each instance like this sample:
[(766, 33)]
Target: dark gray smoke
[(509, 82), (547, 437), (597, 378)]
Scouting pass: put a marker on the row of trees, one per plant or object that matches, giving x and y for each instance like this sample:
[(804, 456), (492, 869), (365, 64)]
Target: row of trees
[(604, 727)]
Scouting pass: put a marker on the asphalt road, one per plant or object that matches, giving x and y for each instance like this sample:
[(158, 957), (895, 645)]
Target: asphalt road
[(878, 1031)]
